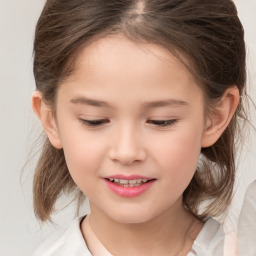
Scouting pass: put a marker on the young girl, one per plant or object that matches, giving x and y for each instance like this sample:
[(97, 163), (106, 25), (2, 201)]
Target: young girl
[(140, 101)]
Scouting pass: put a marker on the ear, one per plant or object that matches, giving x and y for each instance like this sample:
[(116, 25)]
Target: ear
[(220, 117), (45, 115)]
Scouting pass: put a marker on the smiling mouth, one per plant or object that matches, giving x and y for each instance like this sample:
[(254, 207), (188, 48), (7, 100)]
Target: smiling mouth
[(129, 186), (128, 183)]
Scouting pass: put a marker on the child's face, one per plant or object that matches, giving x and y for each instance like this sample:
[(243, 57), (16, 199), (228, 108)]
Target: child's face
[(145, 118)]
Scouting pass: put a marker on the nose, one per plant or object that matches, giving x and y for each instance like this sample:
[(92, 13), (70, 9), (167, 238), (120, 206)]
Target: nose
[(127, 146)]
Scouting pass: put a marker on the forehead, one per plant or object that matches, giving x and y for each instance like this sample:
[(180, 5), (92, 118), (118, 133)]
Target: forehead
[(115, 65), (114, 48)]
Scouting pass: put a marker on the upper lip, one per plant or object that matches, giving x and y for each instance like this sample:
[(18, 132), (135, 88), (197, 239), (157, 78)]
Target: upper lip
[(129, 177)]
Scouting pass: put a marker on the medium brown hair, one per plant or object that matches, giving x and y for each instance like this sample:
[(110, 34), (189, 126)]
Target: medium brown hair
[(208, 33)]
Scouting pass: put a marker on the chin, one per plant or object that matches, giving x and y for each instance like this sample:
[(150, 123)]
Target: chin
[(132, 216)]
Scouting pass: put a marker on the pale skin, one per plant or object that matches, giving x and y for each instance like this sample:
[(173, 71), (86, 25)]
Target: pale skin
[(151, 121)]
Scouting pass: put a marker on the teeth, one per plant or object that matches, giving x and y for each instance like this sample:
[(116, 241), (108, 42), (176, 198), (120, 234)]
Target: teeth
[(132, 181), (124, 181), (129, 183)]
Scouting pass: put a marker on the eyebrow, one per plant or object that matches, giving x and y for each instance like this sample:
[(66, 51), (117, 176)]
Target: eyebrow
[(151, 104), (165, 103), (91, 102)]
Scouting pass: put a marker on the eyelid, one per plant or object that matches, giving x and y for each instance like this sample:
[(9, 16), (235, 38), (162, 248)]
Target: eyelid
[(162, 123), (94, 122)]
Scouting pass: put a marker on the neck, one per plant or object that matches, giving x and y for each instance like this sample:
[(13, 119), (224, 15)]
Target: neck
[(171, 233)]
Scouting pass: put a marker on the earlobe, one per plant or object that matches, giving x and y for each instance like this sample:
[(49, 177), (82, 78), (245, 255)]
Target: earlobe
[(221, 116), (45, 115)]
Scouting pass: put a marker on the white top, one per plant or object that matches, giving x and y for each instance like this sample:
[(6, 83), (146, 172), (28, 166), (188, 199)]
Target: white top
[(209, 242), (246, 223)]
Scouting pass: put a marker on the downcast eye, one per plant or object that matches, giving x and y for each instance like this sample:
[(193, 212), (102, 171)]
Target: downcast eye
[(162, 123), (94, 123)]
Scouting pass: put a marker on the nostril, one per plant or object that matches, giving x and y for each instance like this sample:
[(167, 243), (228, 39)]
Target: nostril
[(128, 158), (127, 147)]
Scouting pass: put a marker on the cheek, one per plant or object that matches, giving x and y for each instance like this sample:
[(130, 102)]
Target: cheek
[(83, 154), (83, 162), (179, 157)]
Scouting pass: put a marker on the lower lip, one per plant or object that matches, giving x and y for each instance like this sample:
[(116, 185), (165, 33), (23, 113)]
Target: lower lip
[(129, 191)]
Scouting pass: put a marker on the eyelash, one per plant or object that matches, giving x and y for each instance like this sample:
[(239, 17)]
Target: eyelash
[(100, 122), (162, 123), (94, 123)]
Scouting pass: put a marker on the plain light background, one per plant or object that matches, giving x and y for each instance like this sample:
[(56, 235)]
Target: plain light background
[(20, 232)]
